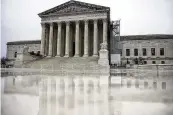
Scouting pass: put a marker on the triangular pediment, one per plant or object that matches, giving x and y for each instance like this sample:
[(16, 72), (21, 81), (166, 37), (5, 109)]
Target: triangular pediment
[(74, 6)]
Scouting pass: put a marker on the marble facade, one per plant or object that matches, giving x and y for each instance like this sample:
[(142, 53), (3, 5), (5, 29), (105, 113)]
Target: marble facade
[(74, 29), (140, 42)]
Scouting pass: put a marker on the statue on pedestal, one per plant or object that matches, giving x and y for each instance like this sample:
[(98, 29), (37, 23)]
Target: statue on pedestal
[(103, 55)]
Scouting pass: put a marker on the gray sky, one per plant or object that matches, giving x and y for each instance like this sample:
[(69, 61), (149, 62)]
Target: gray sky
[(20, 20)]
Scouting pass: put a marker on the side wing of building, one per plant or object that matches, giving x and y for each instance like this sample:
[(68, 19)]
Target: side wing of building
[(152, 49), (14, 47)]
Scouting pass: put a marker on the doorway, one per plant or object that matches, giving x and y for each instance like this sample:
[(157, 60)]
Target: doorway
[(73, 49)]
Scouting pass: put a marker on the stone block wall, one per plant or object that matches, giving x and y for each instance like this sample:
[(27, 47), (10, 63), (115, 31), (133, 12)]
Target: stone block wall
[(11, 49), (148, 44)]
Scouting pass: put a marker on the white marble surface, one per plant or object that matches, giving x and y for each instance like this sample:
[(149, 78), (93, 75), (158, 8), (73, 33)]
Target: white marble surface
[(17, 104), (123, 101)]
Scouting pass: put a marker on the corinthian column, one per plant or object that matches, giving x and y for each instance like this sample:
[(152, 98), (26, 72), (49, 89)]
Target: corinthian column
[(105, 30), (77, 40), (67, 39), (95, 52), (86, 39), (50, 40), (59, 40), (43, 39)]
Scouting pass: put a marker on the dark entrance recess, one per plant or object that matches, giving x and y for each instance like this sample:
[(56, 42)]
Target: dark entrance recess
[(73, 48)]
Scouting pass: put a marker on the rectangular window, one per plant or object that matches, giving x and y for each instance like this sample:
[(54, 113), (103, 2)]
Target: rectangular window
[(154, 85), (153, 62), (163, 85), (153, 51), (136, 52), (144, 51), (161, 51), (145, 62), (15, 54), (162, 62), (127, 52)]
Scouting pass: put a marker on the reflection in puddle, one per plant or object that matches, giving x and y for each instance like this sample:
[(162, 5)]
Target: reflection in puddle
[(80, 98), (92, 99)]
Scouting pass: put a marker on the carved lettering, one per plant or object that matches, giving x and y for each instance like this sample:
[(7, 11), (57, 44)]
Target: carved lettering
[(75, 17)]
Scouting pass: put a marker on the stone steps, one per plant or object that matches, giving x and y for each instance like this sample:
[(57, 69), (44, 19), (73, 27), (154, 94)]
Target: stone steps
[(59, 63)]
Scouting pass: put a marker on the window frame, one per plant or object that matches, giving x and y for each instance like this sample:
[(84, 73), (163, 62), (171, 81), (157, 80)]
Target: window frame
[(162, 52), (154, 62), (15, 54), (144, 49), (153, 49), (127, 50), (146, 62), (162, 62), (136, 52)]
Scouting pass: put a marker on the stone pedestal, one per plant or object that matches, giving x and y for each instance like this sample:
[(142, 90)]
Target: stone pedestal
[(104, 65), (23, 57), (103, 55), (103, 58)]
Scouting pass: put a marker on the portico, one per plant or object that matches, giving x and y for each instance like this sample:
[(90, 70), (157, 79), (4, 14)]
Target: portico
[(77, 43), (73, 29)]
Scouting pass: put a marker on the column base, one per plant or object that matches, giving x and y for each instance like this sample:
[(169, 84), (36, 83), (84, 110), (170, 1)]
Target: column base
[(95, 55), (66, 55), (48, 56), (57, 56), (76, 55), (85, 55)]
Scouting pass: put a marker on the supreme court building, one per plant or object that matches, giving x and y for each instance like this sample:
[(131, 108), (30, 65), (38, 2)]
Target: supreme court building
[(74, 29), (77, 29)]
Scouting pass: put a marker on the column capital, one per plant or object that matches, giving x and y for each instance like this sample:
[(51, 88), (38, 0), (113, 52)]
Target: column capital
[(86, 21), (43, 24), (95, 20), (77, 21), (51, 23), (104, 20), (59, 22), (67, 22)]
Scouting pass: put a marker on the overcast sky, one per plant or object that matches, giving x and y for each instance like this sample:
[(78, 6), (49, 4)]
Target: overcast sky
[(20, 21)]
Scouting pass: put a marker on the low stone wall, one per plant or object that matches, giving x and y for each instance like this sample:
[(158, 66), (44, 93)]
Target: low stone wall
[(154, 66), (25, 58), (145, 71), (145, 76)]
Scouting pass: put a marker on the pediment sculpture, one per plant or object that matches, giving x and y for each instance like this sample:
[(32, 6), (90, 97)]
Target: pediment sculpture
[(74, 8)]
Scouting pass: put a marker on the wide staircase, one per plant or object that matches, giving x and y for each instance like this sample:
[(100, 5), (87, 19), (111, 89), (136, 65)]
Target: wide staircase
[(70, 65)]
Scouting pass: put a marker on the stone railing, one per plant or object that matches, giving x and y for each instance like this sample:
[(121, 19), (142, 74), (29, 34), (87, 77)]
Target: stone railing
[(145, 71)]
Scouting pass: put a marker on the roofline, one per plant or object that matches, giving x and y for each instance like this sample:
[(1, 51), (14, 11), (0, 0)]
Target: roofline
[(40, 14), (150, 35), (126, 37), (146, 37), (24, 42)]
